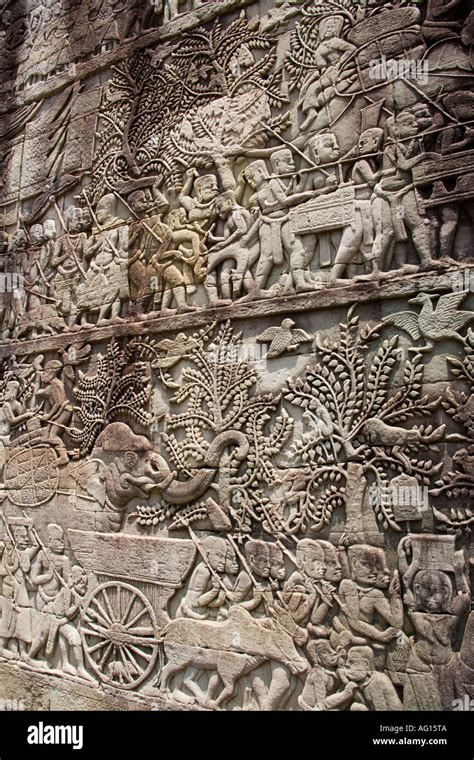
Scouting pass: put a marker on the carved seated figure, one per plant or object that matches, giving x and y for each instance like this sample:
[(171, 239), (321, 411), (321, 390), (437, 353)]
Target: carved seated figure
[(441, 20), (371, 690), (322, 686)]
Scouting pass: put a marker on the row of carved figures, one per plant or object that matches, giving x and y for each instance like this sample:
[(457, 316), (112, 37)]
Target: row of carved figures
[(338, 631), (274, 231)]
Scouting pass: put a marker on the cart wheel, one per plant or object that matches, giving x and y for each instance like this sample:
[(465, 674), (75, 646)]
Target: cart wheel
[(31, 475), (118, 629)]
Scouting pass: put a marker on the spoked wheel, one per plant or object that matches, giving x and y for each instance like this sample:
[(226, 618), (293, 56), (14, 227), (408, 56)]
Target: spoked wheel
[(118, 629)]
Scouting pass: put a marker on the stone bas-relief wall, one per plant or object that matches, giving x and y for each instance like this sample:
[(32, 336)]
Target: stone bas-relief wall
[(237, 367)]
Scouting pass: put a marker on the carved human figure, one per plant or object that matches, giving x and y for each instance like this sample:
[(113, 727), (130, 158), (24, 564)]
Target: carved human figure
[(394, 205), (452, 138), (13, 413), (435, 607), (277, 564), (16, 624), (308, 596), (57, 413), (441, 20), (5, 273), (321, 690), (34, 268), (68, 260), (199, 193), (359, 236), (145, 237), (331, 55), (59, 625), (206, 582), (16, 298), (191, 239), (172, 268), (368, 599), (52, 567), (274, 196), (374, 690), (323, 151), (253, 589), (105, 286), (229, 261)]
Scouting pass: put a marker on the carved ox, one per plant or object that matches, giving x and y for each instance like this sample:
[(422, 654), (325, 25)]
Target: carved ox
[(233, 648)]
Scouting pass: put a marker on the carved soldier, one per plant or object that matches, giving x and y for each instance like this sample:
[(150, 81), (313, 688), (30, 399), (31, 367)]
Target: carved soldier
[(58, 412), (359, 236), (105, 287), (253, 589), (58, 625), (323, 150), (204, 590), (201, 207), (274, 196), (395, 204), (145, 237), (364, 602), (308, 595), (229, 259), (16, 568), (52, 567), (68, 260)]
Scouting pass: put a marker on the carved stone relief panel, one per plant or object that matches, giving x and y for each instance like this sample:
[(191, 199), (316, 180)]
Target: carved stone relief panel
[(237, 354)]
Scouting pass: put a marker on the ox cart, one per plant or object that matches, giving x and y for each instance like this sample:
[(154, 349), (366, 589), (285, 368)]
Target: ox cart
[(124, 613)]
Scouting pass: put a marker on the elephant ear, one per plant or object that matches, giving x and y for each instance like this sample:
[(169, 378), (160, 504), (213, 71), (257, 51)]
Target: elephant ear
[(87, 477)]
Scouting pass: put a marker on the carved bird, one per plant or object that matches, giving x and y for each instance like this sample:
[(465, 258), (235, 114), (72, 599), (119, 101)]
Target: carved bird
[(463, 460), (73, 356), (433, 324), (283, 338), (171, 351)]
